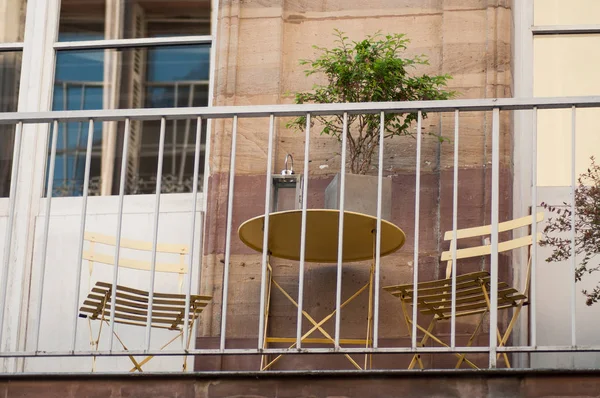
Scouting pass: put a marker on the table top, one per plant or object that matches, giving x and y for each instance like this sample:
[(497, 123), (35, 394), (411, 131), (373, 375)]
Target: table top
[(321, 235)]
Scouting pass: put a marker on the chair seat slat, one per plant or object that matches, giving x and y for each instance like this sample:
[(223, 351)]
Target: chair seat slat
[(132, 306)]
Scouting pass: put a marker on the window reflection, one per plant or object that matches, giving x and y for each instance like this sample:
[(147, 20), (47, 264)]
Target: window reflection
[(142, 77), (10, 71), (134, 18)]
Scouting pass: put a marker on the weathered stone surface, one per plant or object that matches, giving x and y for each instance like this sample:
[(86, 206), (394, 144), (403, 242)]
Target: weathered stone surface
[(258, 48), (436, 217), (492, 384)]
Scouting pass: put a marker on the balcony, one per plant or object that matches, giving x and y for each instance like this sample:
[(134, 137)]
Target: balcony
[(52, 256)]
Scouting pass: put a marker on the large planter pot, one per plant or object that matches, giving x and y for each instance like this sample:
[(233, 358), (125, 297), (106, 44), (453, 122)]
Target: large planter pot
[(361, 195)]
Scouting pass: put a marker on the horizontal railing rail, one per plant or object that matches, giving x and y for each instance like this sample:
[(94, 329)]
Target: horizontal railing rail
[(220, 112), (374, 340)]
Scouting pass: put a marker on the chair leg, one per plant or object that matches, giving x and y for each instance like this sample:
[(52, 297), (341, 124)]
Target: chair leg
[(317, 326), (429, 335), (189, 340), (503, 338), (422, 344), (504, 354), (369, 357), (437, 340), (96, 342), (265, 358), (498, 335), (462, 357), (149, 357), (93, 344), (137, 366), (417, 357)]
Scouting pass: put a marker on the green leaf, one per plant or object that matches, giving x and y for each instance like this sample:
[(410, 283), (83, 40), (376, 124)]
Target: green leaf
[(374, 69)]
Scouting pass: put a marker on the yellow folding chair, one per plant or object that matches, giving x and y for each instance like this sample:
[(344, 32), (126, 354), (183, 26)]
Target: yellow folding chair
[(168, 310), (434, 298)]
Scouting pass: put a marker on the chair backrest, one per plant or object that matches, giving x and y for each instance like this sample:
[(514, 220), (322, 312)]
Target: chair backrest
[(93, 256), (483, 250)]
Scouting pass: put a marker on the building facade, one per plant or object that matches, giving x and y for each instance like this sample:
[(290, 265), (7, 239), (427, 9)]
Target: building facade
[(94, 55)]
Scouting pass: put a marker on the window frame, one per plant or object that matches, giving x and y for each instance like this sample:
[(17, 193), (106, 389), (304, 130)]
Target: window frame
[(51, 46), (28, 203), (12, 47)]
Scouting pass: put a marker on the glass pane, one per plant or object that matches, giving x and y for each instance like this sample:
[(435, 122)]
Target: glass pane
[(162, 77), (12, 20), (178, 158), (10, 72), (141, 18), (566, 12), (556, 75)]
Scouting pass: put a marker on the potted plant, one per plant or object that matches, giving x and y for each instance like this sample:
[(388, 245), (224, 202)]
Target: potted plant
[(371, 70), (587, 229)]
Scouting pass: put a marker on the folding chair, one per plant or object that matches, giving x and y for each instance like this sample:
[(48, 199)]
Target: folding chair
[(472, 289), (168, 310)]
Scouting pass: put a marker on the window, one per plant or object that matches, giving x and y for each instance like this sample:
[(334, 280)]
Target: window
[(152, 74), (566, 12), (556, 75), (10, 67), (126, 19), (12, 18), (565, 65), (12, 26)]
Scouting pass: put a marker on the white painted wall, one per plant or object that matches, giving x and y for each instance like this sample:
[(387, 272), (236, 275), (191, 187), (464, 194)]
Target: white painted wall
[(62, 262), (3, 223), (553, 281), (564, 65)]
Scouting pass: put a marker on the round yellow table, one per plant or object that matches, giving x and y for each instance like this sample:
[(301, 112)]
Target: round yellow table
[(321, 235), (359, 241)]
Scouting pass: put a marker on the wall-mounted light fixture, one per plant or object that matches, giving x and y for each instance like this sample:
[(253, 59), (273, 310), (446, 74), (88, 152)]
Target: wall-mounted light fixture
[(283, 197)]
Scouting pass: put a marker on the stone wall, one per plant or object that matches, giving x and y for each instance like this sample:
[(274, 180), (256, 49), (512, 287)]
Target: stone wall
[(259, 44), (380, 384)]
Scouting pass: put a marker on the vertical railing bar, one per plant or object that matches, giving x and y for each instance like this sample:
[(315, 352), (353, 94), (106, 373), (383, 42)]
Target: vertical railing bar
[(573, 251), (533, 276), (378, 232), (79, 132), (416, 243), (206, 168), (188, 290), (44, 250), (11, 219), (174, 136), (161, 151), (186, 137), (454, 229), (228, 233), (303, 235), (494, 235), (204, 205), (65, 137), (265, 251), (340, 250), (86, 183), (122, 179)]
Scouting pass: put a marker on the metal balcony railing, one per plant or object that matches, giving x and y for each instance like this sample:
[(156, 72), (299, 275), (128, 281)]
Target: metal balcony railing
[(24, 342)]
